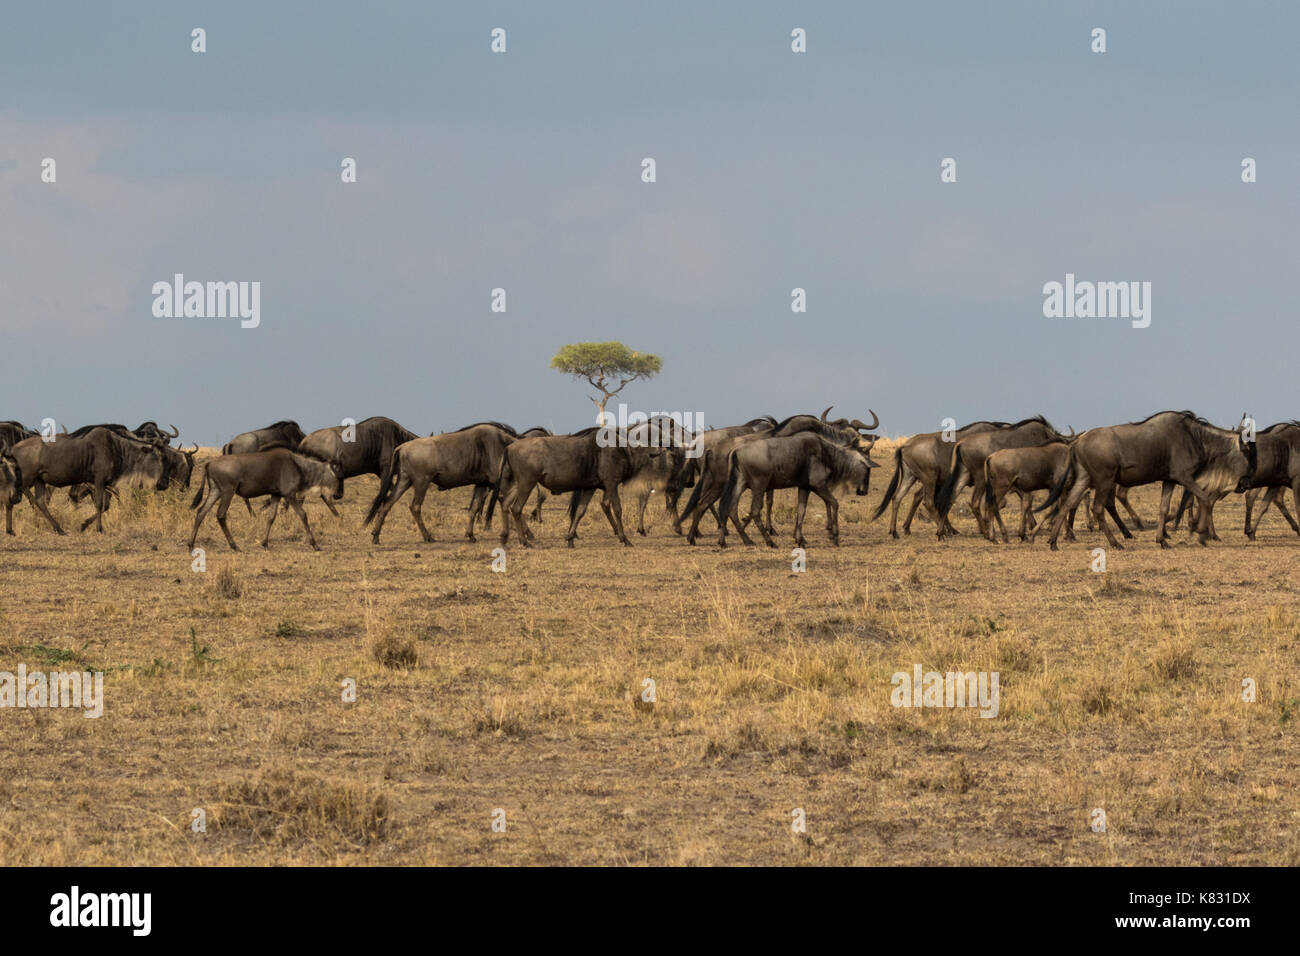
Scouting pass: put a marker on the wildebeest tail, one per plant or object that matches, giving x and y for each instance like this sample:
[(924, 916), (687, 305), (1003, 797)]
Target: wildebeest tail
[(385, 487), (988, 484), (730, 492), (943, 494), (504, 475), (698, 490), (893, 483), (1061, 484), (203, 486), (225, 449)]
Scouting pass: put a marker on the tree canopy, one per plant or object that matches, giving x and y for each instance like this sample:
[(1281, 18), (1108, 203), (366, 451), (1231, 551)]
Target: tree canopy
[(602, 364)]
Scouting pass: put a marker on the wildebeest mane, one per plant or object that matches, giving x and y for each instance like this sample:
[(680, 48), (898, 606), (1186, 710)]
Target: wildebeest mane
[(505, 428)]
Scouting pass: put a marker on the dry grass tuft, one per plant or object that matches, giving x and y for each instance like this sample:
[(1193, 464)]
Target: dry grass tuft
[(289, 809)]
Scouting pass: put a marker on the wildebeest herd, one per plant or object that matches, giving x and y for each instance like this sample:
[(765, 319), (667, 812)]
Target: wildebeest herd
[(812, 454)]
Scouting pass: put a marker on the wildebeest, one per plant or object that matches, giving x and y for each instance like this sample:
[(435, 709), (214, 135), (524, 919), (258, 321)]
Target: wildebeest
[(476, 501), (714, 463), (1174, 448), (1024, 471), (469, 456), (583, 463), (100, 457), (284, 433), (1278, 469), (921, 462), (662, 474), (368, 452), (806, 461), (278, 472), (701, 445), (11, 485), (966, 462), (181, 463)]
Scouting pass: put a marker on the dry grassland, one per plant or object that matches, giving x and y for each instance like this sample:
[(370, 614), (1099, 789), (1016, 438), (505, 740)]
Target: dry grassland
[(521, 691)]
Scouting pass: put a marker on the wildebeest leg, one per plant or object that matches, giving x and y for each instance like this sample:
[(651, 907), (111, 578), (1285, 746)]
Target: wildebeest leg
[(977, 503), (1081, 488), (708, 495), (223, 507), (755, 515), (1183, 502), (1251, 495), (1119, 523), (1206, 503), (421, 488), (1100, 498), (39, 494), (832, 513), (771, 528), (916, 503), (996, 508), (608, 512), (581, 499), (275, 511), (735, 519), (1026, 515), (476, 502), (100, 497), (537, 509), (611, 496), (1281, 506), (1295, 497), (202, 513), (1166, 492), (903, 488), (311, 538), (800, 509), (403, 483), (94, 501), (642, 499), (512, 511), (1121, 494), (330, 505), (1214, 535)]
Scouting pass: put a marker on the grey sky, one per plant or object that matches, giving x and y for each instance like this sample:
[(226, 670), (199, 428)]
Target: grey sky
[(522, 171)]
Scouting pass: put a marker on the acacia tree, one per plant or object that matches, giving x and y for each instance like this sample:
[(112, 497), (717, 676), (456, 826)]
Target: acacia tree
[(603, 363)]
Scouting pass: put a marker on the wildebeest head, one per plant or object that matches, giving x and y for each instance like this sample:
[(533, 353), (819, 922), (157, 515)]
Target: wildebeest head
[(150, 463), (862, 449), (11, 477), (181, 463), (153, 432)]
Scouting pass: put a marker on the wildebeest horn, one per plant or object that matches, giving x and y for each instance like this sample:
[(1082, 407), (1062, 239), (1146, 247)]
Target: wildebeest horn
[(866, 428), (827, 412), (175, 431)]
